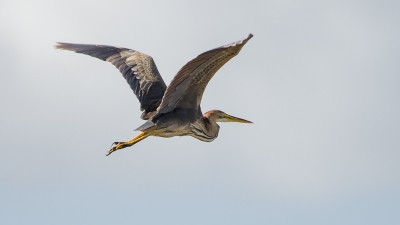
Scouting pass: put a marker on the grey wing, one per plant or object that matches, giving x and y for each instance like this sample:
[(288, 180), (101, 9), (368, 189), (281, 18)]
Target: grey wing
[(188, 85), (137, 68)]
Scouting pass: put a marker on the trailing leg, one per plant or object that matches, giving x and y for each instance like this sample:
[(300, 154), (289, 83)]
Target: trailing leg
[(121, 145)]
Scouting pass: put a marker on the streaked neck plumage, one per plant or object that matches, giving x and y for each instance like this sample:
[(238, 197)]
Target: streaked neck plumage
[(206, 128)]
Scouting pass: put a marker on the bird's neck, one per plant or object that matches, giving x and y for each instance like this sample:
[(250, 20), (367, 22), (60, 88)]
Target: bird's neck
[(210, 126), (205, 130)]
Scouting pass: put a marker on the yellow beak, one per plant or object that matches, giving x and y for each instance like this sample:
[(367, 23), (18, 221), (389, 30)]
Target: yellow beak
[(230, 118)]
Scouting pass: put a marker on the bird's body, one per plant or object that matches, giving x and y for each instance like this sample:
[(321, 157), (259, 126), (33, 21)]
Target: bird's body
[(173, 110), (183, 123)]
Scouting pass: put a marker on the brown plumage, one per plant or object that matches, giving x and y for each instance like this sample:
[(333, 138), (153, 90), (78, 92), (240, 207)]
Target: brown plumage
[(173, 110)]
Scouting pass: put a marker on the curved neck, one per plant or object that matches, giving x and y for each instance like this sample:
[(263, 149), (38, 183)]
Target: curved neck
[(210, 126), (204, 129)]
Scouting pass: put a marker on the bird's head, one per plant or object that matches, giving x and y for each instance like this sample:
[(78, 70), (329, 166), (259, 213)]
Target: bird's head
[(219, 116)]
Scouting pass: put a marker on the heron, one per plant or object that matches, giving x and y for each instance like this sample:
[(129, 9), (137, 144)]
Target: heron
[(173, 110)]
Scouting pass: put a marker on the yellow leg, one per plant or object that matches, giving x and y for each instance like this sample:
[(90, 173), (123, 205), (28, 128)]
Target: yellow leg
[(139, 137)]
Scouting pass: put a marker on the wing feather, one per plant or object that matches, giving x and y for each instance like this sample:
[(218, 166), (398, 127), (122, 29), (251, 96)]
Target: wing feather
[(188, 85), (138, 69)]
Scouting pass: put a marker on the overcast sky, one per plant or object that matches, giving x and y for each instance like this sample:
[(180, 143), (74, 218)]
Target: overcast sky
[(320, 80)]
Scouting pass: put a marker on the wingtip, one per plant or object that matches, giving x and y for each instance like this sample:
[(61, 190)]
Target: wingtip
[(247, 39), (59, 45)]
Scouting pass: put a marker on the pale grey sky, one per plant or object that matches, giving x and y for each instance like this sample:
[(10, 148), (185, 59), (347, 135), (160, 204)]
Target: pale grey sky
[(320, 80)]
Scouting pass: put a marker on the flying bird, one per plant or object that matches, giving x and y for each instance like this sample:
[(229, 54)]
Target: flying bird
[(173, 110)]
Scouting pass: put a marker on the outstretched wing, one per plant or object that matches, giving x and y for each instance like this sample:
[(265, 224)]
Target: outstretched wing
[(188, 85), (138, 69)]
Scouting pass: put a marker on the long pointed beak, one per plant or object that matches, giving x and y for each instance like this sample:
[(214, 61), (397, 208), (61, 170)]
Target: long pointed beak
[(230, 118)]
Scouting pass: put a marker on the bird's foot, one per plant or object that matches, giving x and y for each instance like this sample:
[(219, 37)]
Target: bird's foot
[(120, 145), (116, 146)]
